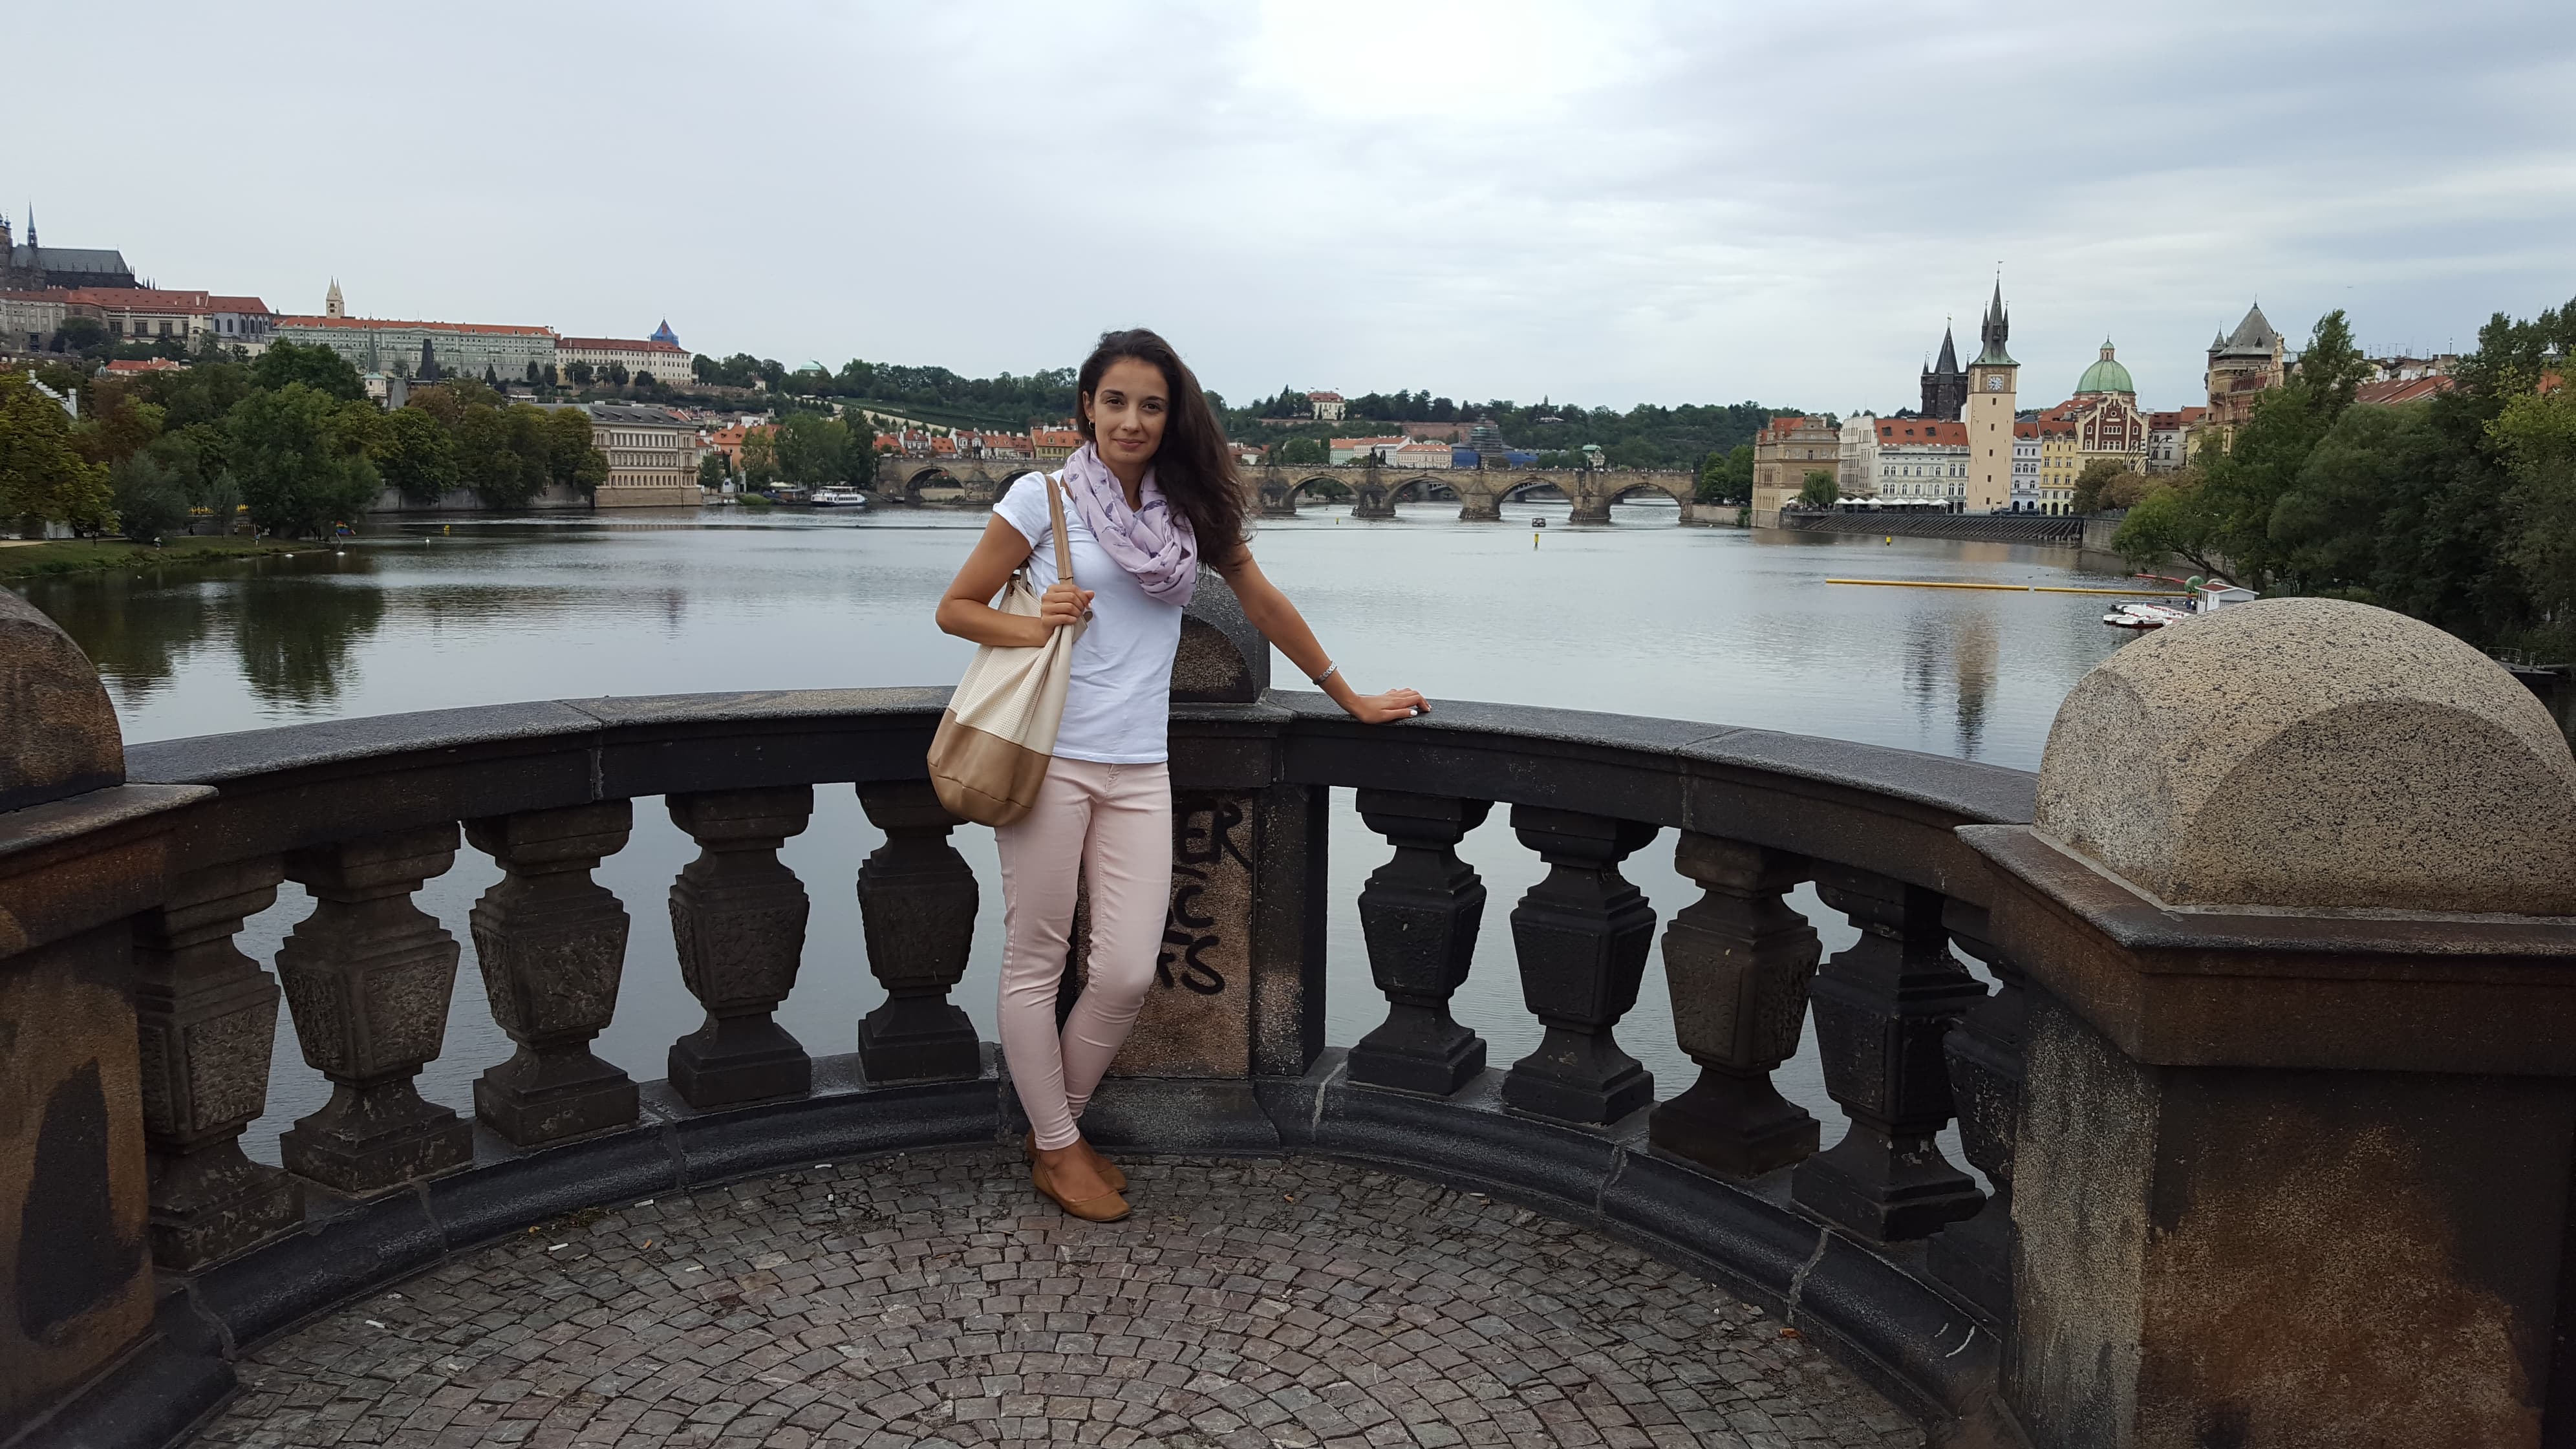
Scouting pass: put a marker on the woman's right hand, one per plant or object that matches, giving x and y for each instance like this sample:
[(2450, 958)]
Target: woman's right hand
[(1062, 604)]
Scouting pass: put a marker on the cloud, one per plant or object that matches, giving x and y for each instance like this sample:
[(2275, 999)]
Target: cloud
[(1604, 203)]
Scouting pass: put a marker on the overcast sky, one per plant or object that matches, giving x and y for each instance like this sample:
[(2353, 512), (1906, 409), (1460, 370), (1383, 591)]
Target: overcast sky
[(1609, 203)]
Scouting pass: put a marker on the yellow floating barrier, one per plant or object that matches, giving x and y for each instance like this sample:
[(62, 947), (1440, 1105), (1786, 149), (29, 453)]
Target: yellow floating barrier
[(2012, 588), (2132, 593), (1928, 584)]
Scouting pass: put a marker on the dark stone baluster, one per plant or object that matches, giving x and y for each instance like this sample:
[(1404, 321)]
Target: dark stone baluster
[(368, 976), (738, 917), (1738, 961), (1420, 912), (917, 900), (1985, 1061), (552, 944), (207, 1016), (1581, 935), (1882, 1008)]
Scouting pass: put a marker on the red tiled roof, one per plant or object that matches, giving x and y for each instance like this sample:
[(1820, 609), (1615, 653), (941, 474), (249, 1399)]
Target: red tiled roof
[(354, 323), (618, 344), (142, 364), (144, 299), (1925, 431), (2391, 393)]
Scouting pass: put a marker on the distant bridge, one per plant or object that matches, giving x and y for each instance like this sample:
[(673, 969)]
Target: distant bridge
[(1374, 491)]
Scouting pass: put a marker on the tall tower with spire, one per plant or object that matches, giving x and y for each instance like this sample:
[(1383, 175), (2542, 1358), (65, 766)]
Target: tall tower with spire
[(332, 305), (1945, 387), (1993, 384)]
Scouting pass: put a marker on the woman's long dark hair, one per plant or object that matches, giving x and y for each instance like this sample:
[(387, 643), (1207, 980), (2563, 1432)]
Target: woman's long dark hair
[(1194, 465)]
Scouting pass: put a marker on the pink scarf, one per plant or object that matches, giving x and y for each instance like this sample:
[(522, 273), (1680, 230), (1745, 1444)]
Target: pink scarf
[(1153, 543)]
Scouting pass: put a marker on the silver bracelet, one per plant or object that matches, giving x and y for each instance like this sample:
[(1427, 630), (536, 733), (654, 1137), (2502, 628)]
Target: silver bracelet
[(1329, 671)]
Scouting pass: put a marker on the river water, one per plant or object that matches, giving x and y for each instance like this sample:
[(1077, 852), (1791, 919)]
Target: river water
[(1640, 617)]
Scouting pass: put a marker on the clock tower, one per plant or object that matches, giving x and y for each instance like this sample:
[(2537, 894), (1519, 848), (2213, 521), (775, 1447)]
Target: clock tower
[(1991, 388)]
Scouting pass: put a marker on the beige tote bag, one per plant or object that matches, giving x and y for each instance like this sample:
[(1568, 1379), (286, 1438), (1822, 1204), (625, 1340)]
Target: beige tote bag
[(998, 735)]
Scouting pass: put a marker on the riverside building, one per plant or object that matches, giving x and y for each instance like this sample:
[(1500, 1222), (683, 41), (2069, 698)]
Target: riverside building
[(468, 349), (652, 456), (660, 355), (2243, 365), (1784, 453), (1923, 461)]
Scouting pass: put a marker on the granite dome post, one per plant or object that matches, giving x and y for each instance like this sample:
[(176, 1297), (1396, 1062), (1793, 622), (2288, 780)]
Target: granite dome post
[(2300, 1086)]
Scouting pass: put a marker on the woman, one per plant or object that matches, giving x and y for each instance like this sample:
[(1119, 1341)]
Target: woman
[(1149, 498)]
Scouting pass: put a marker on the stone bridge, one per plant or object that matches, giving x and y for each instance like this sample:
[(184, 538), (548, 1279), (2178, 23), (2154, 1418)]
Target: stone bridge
[(1375, 491)]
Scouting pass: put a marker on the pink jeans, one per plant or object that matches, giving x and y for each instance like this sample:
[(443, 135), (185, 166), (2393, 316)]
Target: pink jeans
[(1110, 826)]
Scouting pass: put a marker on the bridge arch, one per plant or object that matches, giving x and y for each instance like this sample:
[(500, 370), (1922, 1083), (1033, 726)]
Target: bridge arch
[(1424, 487), (1660, 487), (904, 480)]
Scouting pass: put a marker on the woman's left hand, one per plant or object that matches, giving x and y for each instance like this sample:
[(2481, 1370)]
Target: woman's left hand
[(1395, 704)]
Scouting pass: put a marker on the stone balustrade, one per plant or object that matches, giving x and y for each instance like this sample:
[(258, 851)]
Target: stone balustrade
[(2275, 1030)]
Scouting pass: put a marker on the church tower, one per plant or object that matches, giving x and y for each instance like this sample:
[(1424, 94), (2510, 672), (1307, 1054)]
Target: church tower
[(1992, 384), (332, 306)]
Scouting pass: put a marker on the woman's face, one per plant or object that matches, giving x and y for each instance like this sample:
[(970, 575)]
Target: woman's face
[(1128, 411)]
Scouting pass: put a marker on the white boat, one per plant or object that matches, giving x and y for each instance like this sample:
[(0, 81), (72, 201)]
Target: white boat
[(839, 498), (2143, 616)]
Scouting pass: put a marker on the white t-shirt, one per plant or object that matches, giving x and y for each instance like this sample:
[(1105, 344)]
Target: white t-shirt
[(1117, 706)]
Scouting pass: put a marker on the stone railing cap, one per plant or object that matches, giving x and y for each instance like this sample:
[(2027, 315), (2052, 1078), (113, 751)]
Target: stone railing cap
[(2312, 753), (58, 732)]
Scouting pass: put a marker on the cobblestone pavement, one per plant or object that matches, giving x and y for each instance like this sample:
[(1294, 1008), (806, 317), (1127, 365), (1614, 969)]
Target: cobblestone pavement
[(934, 1299)]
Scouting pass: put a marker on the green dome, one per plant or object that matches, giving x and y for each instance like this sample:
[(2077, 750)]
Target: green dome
[(2106, 375)]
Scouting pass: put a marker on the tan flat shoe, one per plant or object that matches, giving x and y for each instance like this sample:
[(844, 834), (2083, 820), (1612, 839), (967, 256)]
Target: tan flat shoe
[(1108, 1169), (1109, 1207)]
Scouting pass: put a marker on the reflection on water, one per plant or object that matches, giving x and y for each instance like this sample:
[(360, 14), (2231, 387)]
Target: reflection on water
[(292, 625), (1641, 618)]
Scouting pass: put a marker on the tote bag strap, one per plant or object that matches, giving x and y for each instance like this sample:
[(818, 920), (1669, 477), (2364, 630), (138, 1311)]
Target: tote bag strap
[(1055, 516)]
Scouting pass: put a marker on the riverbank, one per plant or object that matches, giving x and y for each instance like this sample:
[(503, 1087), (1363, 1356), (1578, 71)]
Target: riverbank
[(45, 559)]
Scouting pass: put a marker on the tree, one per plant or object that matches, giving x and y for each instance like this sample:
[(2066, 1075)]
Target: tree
[(809, 448), (148, 500), (415, 455), (115, 424), (1726, 477), (43, 478), (491, 376), (859, 458), (2227, 511), (573, 460), (711, 471), (1820, 491), (80, 334), (316, 367), (1300, 453), (616, 374), (2097, 476), (300, 455), (759, 457), (578, 371), (534, 376)]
